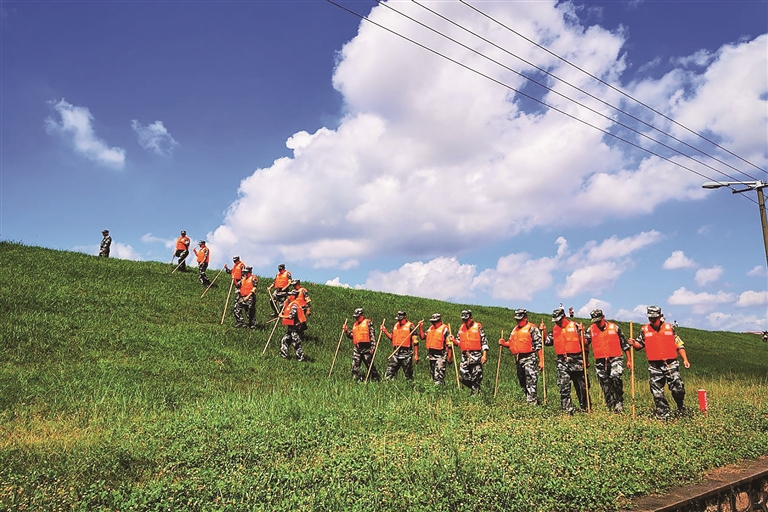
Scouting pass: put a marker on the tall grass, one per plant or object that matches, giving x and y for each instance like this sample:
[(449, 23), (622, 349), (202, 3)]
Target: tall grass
[(120, 390)]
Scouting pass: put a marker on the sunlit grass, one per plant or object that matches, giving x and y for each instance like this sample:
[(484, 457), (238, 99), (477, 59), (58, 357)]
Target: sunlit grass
[(119, 389)]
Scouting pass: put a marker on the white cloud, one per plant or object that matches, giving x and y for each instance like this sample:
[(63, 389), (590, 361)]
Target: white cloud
[(592, 304), (76, 123), (597, 277), (752, 298), (701, 302), (678, 259), (758, 271), (708, 275), (149, 238), (337, 282), (441, 278), (155, 137), (736, 322), (431, 159)]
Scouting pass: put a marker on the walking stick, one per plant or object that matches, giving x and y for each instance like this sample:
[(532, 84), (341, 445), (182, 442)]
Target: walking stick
[(498, 365), (543, 329), (401, 343), (214, 280), (455, 364), (177, 266), (373, 358), (227, 302), (269, 339), (173, 256), (632, 373), (337, 349), (272, 300), (584, 364)]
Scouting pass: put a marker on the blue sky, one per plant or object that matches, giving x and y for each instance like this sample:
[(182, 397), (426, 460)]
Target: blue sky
[(292, 131)]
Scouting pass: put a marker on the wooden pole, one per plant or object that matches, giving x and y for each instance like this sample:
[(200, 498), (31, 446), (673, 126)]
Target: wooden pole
[(269, 339), (177, 266), (455, 364), (337, 348), (214, 280), (401, 343), (373, 357), (632, 362), (227, 302), (543, 329), (584, 364), (498, 366)]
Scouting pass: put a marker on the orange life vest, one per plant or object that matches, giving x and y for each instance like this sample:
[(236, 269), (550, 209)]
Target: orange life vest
[(282, 279), (300, 318), (436, 336), (469, 338), (182, 243), (237, 270), (521, 341), (402, 334), (248, 284), (660, 344), (361, 332), (567, 341), (605, 343), (301, 298), (203, 255)]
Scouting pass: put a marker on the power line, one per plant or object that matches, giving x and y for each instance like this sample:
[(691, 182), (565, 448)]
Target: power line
[(558, 93), (572, 86), (612, 87), (363, 17)]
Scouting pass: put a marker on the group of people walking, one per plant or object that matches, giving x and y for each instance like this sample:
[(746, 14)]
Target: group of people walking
[(290, 304), (526, 342)]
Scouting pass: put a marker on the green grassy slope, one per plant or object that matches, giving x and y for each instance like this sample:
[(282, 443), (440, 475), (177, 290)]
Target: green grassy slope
[(119, 389)]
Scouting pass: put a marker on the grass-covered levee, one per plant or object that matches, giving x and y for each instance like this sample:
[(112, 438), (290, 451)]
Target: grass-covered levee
[(121, 390)]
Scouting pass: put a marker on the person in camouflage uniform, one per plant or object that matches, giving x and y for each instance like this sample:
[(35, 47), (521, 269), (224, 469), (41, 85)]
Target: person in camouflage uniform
[(662, 344), (363, 345), (246, 298), (567, 340), (608, 343), (106, 243), (203, 258), (406, 346), (526, 345), (473, 343), (436, 342), (292, 317), (182, 250)]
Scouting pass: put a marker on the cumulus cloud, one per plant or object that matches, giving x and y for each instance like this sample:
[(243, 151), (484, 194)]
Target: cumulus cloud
[(149, 238), (758, 271), (752, 298), (708, 275), (678, 259), (76, 124), (337, 282), (593, 304), (154, 137), (441, 278), (701, 302), (736, 322)]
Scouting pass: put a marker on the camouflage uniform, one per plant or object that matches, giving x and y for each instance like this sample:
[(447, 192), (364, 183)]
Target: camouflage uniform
[(437, 361), (570, 369), (291, 336), (609, 371), (471, 366), (249, 305), (362, 354), (106, 243), (664, 372), (527, 366), (403, 356)]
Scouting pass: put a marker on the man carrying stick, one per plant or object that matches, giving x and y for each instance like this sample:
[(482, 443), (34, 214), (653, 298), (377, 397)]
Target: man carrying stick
[(246, 299), (363, 344), (203, 258), (436, 342), (608, 344), (566, 338), (525, 344), (292, 317), (662, 345), (182, 251), (236, 271), (473, 343), (405, 344), (281, 284)]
